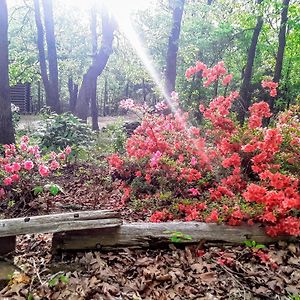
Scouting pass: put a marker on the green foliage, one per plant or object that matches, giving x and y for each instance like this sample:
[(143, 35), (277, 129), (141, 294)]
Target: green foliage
[(118, 136), (56, 132), (178, 237), (58, 278), (253, 244)]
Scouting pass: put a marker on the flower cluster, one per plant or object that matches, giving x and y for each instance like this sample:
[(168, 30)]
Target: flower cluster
[(22, 166), (209, 74), (222, 172), (271, 86)]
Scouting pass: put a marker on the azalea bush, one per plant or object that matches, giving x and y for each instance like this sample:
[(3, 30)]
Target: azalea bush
[(23, 170), (220, 172)]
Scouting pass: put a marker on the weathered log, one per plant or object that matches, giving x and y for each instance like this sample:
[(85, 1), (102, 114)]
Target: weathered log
[(59, 222), (152, 234)]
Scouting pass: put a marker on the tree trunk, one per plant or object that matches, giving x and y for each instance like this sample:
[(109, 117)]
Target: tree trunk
[(94, 105), (105, 98), (245, 96), (173, 47), (50, 82), (73, 93), (281, 47), (6, 125), (99, 62)]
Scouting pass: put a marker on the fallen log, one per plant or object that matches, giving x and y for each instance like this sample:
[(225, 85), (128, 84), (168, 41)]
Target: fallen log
[(144, 235), (59, 222)]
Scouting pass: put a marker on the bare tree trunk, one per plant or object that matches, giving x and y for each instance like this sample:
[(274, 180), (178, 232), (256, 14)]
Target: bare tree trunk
[(99, 62), (6, 125), (173, 46), (73, 93), (105, 99), (281, 47), (94, 105), (50, 82), (245, 96)]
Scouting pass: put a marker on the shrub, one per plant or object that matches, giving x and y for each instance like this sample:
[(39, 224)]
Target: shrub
[(23, 169), (56, 132), (221, 172)]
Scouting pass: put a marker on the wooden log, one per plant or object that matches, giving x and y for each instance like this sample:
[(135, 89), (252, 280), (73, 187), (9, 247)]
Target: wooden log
[(59, 222), (153, 234)]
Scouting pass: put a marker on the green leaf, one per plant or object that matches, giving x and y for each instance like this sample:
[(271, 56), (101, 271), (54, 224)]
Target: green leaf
[(248, 243), (54, 189), (37, 190), (260, 246), (53, 282), (64, 279)]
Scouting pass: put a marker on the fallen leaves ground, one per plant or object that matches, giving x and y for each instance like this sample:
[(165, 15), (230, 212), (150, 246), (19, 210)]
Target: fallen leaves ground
[(212, 272), (204, 271)]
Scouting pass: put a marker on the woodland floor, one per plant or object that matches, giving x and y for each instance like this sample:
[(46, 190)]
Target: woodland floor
[(204, 271)]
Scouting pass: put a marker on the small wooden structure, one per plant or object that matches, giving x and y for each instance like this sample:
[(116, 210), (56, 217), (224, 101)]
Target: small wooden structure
[(20, 95), (103, 229)]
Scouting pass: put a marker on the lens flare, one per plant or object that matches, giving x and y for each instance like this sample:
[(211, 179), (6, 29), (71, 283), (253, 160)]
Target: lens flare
[(125, 25)]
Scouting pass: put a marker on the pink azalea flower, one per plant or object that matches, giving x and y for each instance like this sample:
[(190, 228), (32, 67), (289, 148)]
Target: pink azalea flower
[(16, 167), (54, 165), (43, 170), (28, 165), (68, 150), (15, 177), (7, 181)]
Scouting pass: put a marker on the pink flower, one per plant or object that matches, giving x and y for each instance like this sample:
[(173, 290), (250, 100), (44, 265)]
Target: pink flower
[(25, 139), (193, 161), (62, 156), (15, 177), (202, 108), (273, 93), (8, 168), (138, 173), (23, 146), (227, 79), (43, 170), (16, 167), (7, 181), (194, 192), (53, 155), (28, 165), (54, 165), (68, 150)]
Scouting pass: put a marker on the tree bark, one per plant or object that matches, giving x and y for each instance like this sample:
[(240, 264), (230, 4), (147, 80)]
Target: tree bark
[(50, 82), (281, 47), (99, 62), (245, 95), (73, 94), (173, 46), (6, 124), (94, 105)]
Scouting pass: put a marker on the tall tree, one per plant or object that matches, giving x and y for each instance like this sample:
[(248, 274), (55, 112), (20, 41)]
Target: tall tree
[(6, 125), (173, 46), (281, 46), (245, 95), (49, 77), (99, 62), (94, 105)]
